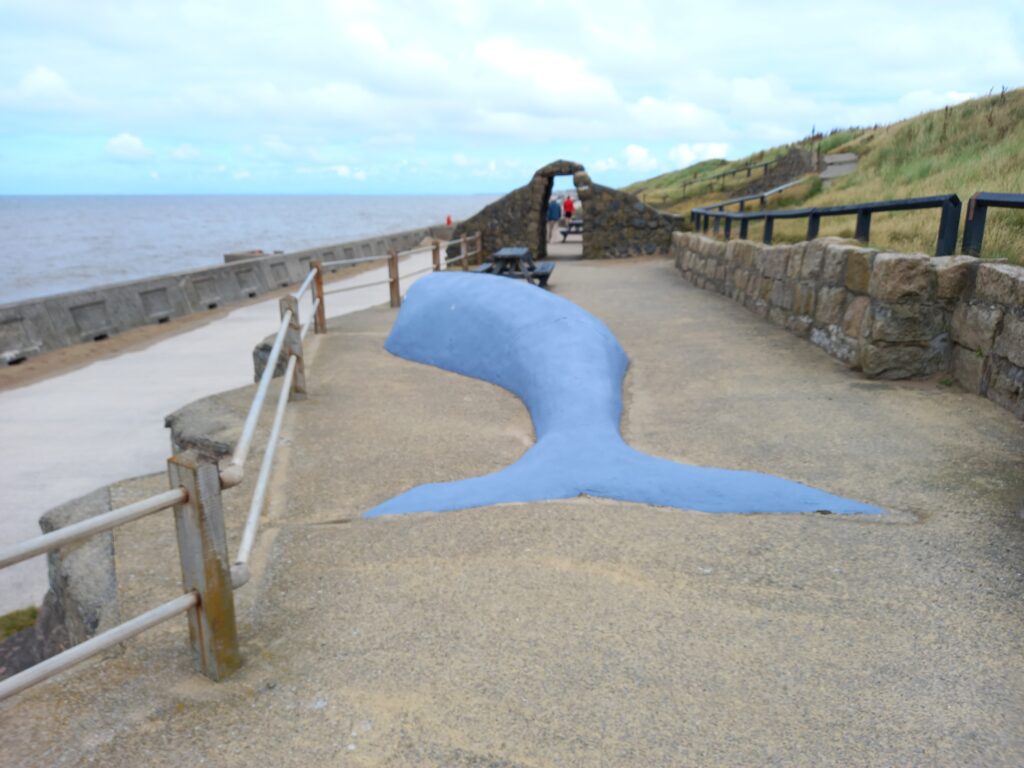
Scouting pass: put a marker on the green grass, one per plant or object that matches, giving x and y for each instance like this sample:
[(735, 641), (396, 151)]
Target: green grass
[(16, 621), (976, 146)]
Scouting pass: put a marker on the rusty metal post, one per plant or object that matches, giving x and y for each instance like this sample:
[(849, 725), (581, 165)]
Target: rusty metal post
[(396, 291), (463, 251), (293, 347), (435, 253), (205, 565), (320, 324)]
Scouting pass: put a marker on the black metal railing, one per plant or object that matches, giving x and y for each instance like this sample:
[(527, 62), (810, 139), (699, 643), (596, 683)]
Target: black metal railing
[(731, 172), (977, 211), (949, 221), (762, 197)]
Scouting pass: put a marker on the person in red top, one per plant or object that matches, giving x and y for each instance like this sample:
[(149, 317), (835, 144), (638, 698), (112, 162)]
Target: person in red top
[(569, 207)]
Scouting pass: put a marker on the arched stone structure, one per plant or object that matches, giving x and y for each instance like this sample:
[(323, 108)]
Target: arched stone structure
[(616, 224)]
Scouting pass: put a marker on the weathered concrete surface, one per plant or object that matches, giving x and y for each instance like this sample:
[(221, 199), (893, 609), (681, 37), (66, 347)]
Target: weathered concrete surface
[(598, 633)]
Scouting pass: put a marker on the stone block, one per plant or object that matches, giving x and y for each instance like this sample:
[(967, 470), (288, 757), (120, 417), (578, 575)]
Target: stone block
[(1005, 386), (1000, 283), (906, 322), (782, 294), (899, 276), (794, 265), (833, 265), (952, 274), (776, 260), (811, 267), (778, 316), (969, 369), (855, 316), (800, 325), (832, 340), (974, 325), (1010, 341), (765, 287), (902, 361), (82, 600), (754, 285), (858, 269), (803, 298), (739, 279), (744, 253), (830, 305)]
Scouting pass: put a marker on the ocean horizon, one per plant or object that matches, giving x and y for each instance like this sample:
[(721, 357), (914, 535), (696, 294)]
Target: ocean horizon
[(59, 243)]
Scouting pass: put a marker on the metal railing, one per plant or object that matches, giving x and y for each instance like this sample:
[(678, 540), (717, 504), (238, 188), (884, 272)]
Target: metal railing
[(949, 221), (762, 197), (208, 577), (977, 212)]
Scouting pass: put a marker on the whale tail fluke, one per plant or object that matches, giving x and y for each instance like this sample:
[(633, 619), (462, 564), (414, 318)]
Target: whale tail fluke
[(608, 468)]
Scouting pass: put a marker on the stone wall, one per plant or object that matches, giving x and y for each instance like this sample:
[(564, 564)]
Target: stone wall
[(616, 224), (890, 315), (988, 335), (39, 325)]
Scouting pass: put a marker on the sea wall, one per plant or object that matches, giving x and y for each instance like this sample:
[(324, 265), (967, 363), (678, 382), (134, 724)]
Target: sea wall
[(42, 324), (890, 315)]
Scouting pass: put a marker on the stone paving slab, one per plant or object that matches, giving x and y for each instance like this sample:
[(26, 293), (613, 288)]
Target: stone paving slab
[(590, 632)]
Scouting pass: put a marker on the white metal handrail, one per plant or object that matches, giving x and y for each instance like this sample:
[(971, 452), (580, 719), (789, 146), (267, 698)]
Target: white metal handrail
[(81, 530), (197, 515), (233, 473), (240, 569), (89, 648)]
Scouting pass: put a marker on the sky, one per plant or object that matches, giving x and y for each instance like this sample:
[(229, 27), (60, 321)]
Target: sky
[(459, 96)]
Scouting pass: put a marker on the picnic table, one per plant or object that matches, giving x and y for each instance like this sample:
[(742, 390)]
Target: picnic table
[(518, 262), (575, 227)]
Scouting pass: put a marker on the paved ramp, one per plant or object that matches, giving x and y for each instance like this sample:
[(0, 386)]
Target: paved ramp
[(597, 633)]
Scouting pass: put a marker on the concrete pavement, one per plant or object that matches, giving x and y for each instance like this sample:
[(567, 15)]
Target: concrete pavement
[(67, 435), (590, 632)]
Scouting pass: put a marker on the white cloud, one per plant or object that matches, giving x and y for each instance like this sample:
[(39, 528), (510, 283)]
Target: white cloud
[(127, 146), (359, 175), (185, 152), (43, 81), (688, 154), (242, 174), (461, 160), (640, 158), (154, 175), (602, 166)]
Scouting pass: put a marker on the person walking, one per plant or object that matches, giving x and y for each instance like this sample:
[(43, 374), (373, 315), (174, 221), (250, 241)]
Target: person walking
[(554, 214)]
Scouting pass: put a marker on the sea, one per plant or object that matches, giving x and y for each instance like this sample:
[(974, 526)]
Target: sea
[(54, 244)]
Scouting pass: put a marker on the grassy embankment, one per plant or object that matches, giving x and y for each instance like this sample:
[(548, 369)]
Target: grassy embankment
[(972, 147)]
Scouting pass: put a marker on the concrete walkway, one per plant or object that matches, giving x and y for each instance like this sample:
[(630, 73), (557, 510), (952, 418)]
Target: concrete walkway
[(586, 632), (68, 435)]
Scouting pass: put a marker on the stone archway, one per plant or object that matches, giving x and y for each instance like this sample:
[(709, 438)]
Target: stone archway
[(618, 224), (541, 184)]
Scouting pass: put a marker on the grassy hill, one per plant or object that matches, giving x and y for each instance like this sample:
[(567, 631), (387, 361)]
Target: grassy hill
[(974, 146)]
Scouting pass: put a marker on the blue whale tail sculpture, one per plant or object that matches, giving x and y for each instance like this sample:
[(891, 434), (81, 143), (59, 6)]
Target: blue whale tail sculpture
[(568, 369)]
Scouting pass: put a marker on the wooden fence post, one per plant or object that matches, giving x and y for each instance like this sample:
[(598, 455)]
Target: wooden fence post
[(320, 324), (293, 347), (435, 252), (479, 247), (205, 566), (396, 291), (463, 251)]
